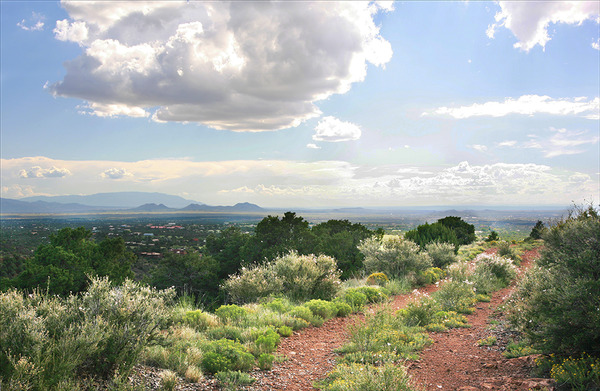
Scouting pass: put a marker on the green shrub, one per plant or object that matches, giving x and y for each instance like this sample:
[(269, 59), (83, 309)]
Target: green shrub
[(231, 313), (568, 272), (373, 294), (360, 377), (266, 342), (493, 273), (226, 355), (393, 256), (199, 320), (265, 361), (429, 276), (456, 296), (298, 277), (252, 284), (233, 333), (397, 286), (279, 304), (285, 331), (442, 254), (419, 313), (505, 250), (46, 341), (354, 298), (302, 312), (322, 308), (377, 279), (233, 380), (343, 308), (308, 277)]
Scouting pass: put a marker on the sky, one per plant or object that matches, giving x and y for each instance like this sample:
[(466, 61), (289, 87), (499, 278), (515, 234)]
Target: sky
[(303, 104)]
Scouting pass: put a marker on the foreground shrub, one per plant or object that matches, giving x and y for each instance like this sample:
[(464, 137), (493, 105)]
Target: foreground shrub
[(393, 256), (231, 313), (354, 298), (360, 377), (322, 308), (298, 277), (226, 355), (568, 272), (46, 341), (582, 373)]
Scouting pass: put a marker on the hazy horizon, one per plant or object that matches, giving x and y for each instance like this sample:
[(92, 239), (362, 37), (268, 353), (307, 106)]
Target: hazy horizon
[(312, 104)]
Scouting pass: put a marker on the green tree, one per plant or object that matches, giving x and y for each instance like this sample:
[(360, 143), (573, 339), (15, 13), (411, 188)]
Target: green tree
[(64, 265), (276, 236), (538, 230), (465, 232), (493, 236), (340, 239), (556, 304), (191, 273), (226, 248), (429, 233)]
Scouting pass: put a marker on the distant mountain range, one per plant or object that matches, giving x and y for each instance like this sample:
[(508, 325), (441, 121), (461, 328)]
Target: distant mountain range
[(121, 202), (128, 199)]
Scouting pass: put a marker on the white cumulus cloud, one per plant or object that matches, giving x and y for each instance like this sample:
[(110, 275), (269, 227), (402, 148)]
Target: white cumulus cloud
[(524, 105), (239, 65), (333, 130), (529, 20), (312, 146), (115, 173), (39, 172)]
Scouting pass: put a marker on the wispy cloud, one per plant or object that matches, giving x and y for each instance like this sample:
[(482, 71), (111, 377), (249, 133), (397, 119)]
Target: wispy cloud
[(524, 105), (34, 23), (478, 147)]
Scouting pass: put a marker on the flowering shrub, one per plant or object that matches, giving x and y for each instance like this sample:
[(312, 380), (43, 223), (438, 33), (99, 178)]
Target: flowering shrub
[(393, 256), (308, 277), (492, 273), (253, 283), (46, 341), (456, 296), (442, 254), (377, 279), (360, 377), (298, 277)]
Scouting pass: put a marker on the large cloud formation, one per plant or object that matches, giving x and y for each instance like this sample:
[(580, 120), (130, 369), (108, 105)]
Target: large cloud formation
[(529, 20), (241, 65)]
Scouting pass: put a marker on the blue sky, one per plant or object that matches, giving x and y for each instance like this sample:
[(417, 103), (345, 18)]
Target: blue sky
[(293, 104)]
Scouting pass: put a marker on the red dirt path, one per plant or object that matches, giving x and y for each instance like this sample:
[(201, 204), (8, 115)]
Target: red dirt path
[(453, 362)]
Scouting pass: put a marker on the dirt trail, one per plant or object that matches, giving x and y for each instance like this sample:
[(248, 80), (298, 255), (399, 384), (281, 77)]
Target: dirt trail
[(310, 352), (455, 361)]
